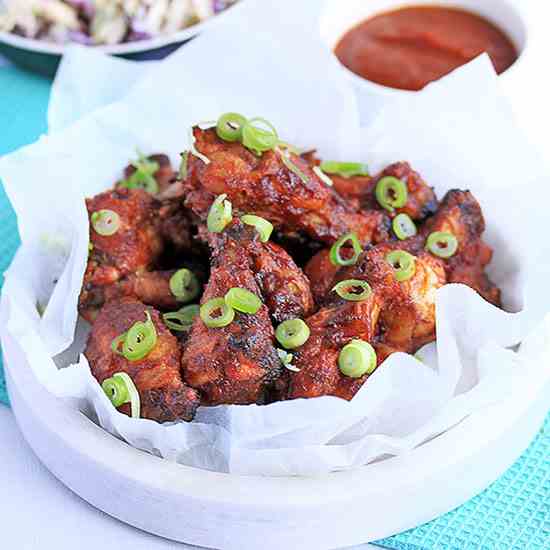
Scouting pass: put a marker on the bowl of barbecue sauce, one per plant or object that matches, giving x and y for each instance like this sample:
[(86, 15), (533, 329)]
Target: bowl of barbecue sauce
[(390, 47)]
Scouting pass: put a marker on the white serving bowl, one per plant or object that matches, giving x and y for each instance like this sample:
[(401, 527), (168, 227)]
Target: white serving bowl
[(246, 513), (340, 16)]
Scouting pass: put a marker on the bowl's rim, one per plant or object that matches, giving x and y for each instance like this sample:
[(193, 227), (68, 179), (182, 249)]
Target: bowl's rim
[(127, 48)]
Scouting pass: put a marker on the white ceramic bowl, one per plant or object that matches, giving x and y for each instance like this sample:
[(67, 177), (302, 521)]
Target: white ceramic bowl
[(340, 16), (246, 513)]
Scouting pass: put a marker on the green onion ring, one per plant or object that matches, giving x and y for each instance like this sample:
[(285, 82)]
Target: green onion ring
[(241, 299), (348, 290), (391, 193), (181, 320), (357, 359), (345, 169), (220, 214), (442, 244), (257, 139), (140, 339), (403, 263), (143, 176), (263, 227), (120, 389), (224, 318), (335, 255), (292, 334), (184, 285), (403, 227), (230, 126), (105, 222)]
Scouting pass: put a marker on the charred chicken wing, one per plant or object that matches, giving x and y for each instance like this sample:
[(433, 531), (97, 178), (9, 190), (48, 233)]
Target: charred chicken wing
[(163, 395), (279, 186)]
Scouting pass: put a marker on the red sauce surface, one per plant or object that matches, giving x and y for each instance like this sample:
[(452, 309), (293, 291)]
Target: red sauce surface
[(411, 47)]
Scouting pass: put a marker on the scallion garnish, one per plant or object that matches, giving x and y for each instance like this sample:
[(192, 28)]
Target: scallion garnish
[(263, 227), (105, 222), (138, 342), (322, 176), (403, 263), (442, 244), (292, 333), (345, 169), (336, 257), (181, 320), (357, 359), (353, 290), (391, 193), (241, 299), (120, 389), (184, 285), (143, 176), (220, 214), (403, 227), (230, 127), (216, 313), (259, 139)]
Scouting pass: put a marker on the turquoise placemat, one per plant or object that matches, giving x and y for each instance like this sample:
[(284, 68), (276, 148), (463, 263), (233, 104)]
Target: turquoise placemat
[(23, 107), (512, 514)]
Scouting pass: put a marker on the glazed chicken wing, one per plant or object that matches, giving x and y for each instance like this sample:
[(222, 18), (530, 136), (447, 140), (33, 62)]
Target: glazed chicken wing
[(295, 201), (164, 397), (237, 363), (132, 249), (397, 316)]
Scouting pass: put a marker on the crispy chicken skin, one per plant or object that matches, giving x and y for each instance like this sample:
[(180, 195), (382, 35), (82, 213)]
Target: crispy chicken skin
[(133, 249), (164, 397), (237, 363), (267, 187), (397, 316)]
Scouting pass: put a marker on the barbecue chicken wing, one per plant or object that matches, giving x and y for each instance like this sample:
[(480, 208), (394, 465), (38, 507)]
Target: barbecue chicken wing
[(132, 249), (164, 397), (397, 316), (237, 363), (294, 201)]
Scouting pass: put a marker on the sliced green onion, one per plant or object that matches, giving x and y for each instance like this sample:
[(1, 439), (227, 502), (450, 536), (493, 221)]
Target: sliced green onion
[(322, 176), (194, 150), (289, 147), (292, 334), (216, 313), (286, 359), (105, 222), (345, 169), (181, 320), (120, 389), (335, 252), (220, 215), (353, 290), (243, 300), (442, 244), (182, 174), (403, 263), (184, 285), (263, 227), (143, 176), (391, 193), (116, 390), (230, 126), (258, 139), (403, 227), (292, 167), (138, 342), (357, 359)]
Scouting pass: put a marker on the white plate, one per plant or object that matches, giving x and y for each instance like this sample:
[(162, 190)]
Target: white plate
[(246, 513)]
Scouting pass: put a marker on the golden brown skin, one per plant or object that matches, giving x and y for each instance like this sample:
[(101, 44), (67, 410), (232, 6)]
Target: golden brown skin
[(397, 316), (133, 249), (237, 363), (265, 186), (164, 397)]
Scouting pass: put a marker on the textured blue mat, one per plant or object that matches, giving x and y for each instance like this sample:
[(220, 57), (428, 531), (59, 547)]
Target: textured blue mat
[(512, 514)]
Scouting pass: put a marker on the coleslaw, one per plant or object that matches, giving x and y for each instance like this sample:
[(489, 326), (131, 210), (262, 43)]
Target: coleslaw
[(94, 22)]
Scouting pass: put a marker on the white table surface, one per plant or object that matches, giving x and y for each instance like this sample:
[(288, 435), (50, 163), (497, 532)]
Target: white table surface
[(39, 513)]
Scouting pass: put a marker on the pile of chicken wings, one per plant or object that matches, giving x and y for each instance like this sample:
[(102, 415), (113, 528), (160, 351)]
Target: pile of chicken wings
[(161, 228)]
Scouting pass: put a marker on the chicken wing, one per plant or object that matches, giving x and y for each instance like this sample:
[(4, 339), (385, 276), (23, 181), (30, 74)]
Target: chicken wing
[(132, 249), (237, 363), (295, 201), (164, 397), (397, 316)]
